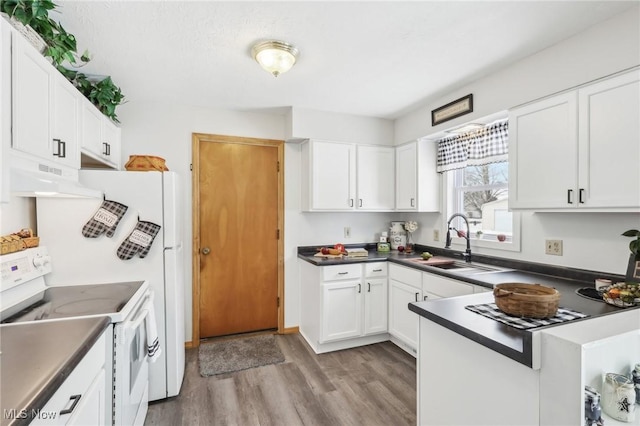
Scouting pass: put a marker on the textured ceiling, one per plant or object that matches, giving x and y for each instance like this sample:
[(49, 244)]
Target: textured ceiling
[(377, 59)]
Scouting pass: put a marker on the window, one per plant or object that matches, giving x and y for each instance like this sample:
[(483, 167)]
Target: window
[(478, 187)]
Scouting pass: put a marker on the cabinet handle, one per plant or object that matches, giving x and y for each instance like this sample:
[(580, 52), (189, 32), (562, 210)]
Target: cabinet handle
[(350, 202), (61, 147), (425, 297), (417, 294), (413, 200), (360, 203), (359, 288), (377, 270), (369, 289), (107, 149), (75, 399), (342, 273), (580, 194), (569, 192)]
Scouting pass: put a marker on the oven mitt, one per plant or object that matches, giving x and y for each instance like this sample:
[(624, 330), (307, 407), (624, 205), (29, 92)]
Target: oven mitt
[(105, 219), (139, 241)]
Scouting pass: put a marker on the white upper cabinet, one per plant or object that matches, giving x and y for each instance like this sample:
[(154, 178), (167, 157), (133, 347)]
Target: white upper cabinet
[(578, 149), (376, 178), (346, 177), (417, 182), (100, 137), (44, 107), (609, 136)]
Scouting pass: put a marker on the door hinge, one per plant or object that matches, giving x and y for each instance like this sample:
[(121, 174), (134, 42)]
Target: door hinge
[(278, 301), (277, 234), (191, 166), (278, 166)]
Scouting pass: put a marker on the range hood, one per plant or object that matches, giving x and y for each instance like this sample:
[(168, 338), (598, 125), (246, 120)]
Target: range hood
[(37, 184)]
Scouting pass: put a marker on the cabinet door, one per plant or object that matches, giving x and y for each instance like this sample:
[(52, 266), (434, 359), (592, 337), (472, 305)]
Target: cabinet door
[(543, 154), (407, 177), (111, 133), (375, 305), (609, 143), (333, 176), (65, 122), (341, 310), (376, 178), (91, 130), (31, 101), (444, 287), (403, 323)]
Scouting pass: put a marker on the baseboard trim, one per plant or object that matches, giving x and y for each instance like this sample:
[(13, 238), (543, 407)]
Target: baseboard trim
[(188, 345), (290, 330)]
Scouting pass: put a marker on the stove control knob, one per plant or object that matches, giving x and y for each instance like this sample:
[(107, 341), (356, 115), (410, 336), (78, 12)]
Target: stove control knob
[(41, 261)]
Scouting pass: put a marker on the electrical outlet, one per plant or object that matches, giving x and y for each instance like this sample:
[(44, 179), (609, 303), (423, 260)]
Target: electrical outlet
[(347, 232), (553, 247), (436, 235)]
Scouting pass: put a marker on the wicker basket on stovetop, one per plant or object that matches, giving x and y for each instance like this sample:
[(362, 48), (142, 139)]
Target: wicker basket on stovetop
[(527, 300)]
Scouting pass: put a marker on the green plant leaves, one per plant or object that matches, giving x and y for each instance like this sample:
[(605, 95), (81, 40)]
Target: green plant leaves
[(61, 48), (634, 245)]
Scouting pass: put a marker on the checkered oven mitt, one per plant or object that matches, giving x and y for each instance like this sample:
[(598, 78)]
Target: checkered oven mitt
[(105, 219), (139, 241)]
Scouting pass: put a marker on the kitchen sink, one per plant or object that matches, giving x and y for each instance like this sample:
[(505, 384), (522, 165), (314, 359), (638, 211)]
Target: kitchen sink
[(462, 267)]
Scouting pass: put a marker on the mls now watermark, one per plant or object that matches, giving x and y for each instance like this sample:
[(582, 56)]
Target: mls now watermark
[(29, 414)]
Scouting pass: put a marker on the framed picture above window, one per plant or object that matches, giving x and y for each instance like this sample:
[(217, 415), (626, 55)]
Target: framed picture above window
[(454, 109)]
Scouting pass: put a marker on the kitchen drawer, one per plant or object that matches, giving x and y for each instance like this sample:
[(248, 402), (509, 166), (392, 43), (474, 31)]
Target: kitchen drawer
[(341, 272), (445, 287), (75, 387), (378, 269), (412, 277)]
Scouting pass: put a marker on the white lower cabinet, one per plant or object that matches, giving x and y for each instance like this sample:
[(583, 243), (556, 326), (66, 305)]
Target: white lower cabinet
[(375, 305), (342, 310), (405, 286), (82, 398), (403, 323), (343, 305), (445, 287)]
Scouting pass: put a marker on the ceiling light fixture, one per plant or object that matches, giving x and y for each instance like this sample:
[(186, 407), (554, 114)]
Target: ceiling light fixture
[(275, 56)]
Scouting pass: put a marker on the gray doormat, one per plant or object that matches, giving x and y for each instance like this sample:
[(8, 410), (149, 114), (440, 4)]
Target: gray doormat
[(226, 356)]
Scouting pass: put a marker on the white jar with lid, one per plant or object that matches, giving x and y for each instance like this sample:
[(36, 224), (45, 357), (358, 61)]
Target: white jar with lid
[(619, 397), (397, 235)]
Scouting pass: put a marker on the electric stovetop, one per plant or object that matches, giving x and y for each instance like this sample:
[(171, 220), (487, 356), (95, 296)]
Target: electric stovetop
[(74, 301)]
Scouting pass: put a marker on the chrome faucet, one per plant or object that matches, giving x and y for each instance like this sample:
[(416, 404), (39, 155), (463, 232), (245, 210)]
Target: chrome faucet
[(467, 253)]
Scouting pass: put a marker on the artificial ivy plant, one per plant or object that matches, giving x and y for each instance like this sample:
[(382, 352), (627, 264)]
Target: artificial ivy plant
[(61, 47)]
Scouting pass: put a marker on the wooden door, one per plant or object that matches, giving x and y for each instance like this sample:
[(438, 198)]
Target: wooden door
[(239, 215)]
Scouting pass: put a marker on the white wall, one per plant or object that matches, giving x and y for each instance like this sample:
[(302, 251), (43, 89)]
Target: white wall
[(592, 241), (18, 213), (306, 123)]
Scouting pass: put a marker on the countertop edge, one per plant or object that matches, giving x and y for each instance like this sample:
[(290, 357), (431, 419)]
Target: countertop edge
[(40, 400), (524, 357)]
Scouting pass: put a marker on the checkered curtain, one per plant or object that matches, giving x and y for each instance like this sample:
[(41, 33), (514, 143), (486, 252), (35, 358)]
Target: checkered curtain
[(488, 145)]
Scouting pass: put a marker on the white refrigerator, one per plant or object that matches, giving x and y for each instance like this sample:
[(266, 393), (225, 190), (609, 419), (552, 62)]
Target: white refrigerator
[(76, 259)]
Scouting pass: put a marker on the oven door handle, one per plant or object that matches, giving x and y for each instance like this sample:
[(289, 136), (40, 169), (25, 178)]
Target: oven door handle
[(142, 313)]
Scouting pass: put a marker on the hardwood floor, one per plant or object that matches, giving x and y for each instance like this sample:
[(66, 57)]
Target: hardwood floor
[(370, 385)]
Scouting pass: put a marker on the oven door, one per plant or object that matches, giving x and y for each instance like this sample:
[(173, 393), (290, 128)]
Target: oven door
[(131, 375)]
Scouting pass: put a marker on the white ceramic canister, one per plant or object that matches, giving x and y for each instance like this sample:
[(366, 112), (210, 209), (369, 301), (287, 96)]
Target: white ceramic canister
[(619, 397), (397, 235)]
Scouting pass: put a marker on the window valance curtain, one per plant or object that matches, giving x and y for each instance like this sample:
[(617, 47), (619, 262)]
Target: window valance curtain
[(488, 145)]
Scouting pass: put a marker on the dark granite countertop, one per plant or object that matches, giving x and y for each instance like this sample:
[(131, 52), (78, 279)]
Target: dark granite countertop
[(451, 313), (37, 357)]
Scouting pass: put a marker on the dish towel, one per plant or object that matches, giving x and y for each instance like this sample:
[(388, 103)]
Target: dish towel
[(153, 344), (490, 310)]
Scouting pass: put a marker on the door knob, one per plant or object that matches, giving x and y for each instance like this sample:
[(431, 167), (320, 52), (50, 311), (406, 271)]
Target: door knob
[(206, 250)]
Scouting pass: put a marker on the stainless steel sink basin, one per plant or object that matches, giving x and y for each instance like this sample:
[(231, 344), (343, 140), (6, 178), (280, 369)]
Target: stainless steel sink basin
[(463, 267)]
